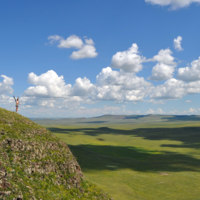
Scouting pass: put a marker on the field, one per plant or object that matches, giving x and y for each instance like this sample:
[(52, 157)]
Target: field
[(136, 157)]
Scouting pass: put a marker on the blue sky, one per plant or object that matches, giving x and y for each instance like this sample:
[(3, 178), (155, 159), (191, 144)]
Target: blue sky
[(89, 58)]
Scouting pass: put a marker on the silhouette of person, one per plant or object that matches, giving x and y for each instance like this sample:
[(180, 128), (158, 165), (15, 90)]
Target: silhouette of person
[(16, 102)]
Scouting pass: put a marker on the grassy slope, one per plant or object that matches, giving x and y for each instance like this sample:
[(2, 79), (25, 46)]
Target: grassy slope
[(31, 164), (155, 160)]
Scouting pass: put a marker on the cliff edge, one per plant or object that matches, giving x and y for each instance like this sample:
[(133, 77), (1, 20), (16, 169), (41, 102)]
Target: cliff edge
[(35, 165)]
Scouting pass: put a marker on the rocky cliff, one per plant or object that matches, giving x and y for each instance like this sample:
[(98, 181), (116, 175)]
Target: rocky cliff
[(34, 164)]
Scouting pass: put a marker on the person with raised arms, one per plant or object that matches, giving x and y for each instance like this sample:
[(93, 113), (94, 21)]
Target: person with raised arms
[(16, 102)]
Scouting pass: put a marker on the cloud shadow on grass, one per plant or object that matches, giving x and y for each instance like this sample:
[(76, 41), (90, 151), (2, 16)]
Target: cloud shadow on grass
[(94, 157), (189, 136)]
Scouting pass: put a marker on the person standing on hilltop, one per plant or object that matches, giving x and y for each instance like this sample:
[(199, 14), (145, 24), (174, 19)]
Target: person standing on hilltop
[(17, 102)]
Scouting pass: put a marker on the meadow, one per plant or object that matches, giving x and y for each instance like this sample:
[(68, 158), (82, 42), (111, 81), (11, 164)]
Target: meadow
[(136, 157)]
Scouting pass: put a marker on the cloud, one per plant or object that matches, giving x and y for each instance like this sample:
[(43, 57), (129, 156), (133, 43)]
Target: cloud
[(164, 56), (165, 68), (128, 81), (175, 89), (83, 87), (7, 102), (129, 60), (121, 86), (49, 90), (110, 92), (5, 86), (174, 4), (193, 87), (89, 41), (150, 111), (54, 38), (188, 101), (110, 85), (81, 111), (48, 85), (71, 102), (177, 43), (192, 110), (115, 110), (72, 41), (171, 89), (161, 72), (116, 93), (5, 90), (155, 102), (135, 95), (158, 111), (86, 50), (190, 73)]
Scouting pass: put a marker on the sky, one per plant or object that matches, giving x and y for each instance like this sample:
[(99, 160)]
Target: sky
[(89, 58)]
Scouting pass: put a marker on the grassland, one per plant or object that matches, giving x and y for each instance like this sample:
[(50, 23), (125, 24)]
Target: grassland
[(136, 157), (34, 164)]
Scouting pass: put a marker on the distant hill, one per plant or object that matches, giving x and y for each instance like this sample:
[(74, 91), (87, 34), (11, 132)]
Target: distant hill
[(119, 119), (35, 165)]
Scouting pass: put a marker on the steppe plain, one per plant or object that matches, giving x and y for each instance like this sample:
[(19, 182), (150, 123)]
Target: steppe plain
[(138, 157)]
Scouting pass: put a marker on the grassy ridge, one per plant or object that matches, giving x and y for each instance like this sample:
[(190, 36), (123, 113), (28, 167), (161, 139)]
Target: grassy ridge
[(34, 164), (155, 160)]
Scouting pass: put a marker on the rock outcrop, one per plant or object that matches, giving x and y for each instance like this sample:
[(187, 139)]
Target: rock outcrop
[(34, 164)]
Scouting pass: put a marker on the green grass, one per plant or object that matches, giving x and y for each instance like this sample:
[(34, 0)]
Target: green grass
[(37, 165), (147, 161)]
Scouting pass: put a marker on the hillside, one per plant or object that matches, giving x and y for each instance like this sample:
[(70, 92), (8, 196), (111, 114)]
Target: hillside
[(34, 164)]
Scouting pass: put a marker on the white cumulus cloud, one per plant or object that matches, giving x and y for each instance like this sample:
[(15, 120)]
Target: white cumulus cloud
[(151, 111), (154, 102), (129, 60), (5, 90), (86, 50), (49, 90), (177, 43), (175, 89), (72, 41), (83, 87), (158, 111), (165, 67), (164, 56), (192, 110), (193, 87), (89, 41), (48, 84), (54, 38), (128, 81), (6, 85), (161, 72), (7, 102), (190, 73), (135, 95), (121, 86), (174, 4), (110, 92), (171, 89)]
